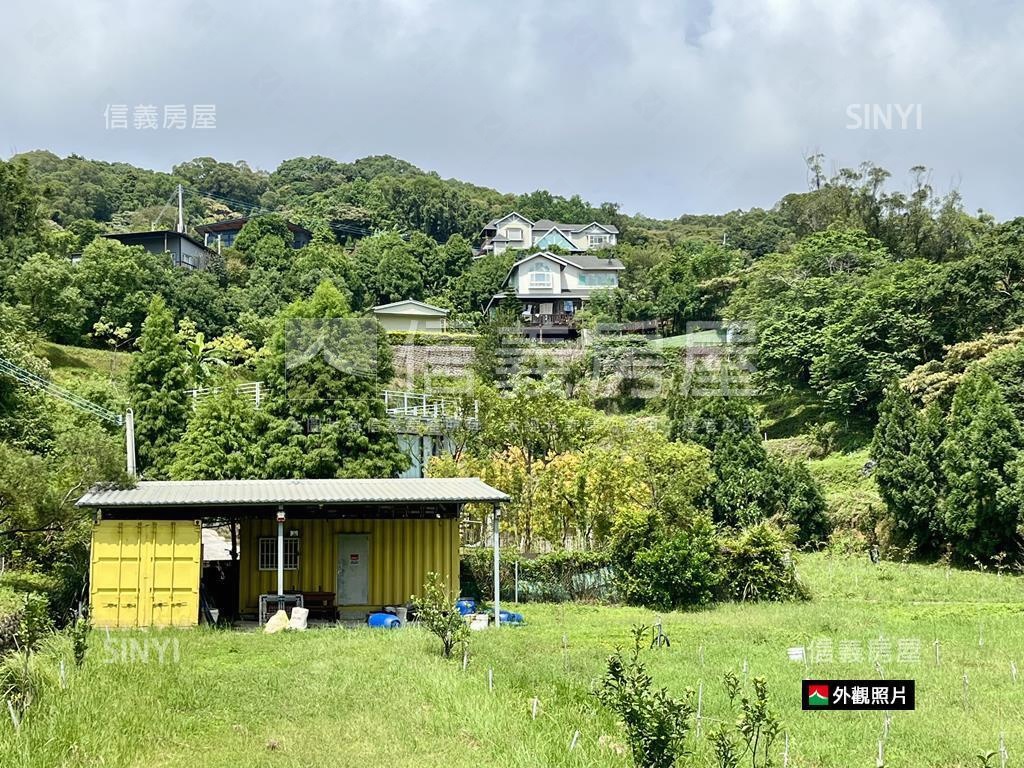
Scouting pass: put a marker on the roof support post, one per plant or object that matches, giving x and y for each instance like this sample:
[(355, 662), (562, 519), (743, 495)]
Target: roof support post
[(280, 550), (496, 516)]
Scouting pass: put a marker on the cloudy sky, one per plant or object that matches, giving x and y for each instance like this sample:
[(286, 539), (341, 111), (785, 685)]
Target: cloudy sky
[(664, 106)]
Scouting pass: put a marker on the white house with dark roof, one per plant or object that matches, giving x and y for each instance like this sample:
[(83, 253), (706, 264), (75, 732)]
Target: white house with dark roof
[(549, 289), (515, 231)]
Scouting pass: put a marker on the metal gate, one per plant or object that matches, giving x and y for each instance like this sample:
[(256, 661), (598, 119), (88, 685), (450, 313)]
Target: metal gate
[(145, 573)]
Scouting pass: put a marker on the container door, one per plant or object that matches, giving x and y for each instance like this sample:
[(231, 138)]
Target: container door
[(116, 573), (145, 573), (176, 563), (353, 569)]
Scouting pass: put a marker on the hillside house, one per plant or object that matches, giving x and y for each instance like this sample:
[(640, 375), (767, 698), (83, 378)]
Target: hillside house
[(185, 251), (516, 232), (549, 289), (224, 232), (411, 316)]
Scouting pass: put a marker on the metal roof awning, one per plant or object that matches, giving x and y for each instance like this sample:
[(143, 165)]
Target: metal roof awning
[(306, 492)]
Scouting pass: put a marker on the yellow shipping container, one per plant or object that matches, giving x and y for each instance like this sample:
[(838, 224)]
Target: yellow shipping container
[(145, 573), (366, 563)]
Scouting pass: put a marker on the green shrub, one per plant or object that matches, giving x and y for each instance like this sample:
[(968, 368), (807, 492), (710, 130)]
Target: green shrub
[(554, 577), (656, 724), (60, 583), (79, 631), (438, 614), (804, 502), (682, 570), (432, 338), (34, 621), (24, 620), (824, 436), (752, 733), (759, 565), (10, 612)]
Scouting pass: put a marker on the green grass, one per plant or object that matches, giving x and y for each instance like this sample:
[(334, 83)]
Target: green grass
[(344, 697), (851, 496), (74, 364), (705, 338)]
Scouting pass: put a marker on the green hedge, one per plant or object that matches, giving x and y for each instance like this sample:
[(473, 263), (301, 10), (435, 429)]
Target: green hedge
[(685, 570), (432, 339), (554, 577)]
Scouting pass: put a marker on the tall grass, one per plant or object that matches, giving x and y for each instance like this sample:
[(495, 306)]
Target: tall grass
[(344, 697)]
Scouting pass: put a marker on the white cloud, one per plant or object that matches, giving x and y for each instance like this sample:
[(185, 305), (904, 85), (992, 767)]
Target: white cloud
[(665, 107)]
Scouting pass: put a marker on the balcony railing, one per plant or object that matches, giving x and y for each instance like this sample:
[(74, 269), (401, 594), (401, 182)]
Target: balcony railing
[(559, 319)]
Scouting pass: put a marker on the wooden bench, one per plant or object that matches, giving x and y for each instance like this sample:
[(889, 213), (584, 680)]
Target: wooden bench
[(320, 604)]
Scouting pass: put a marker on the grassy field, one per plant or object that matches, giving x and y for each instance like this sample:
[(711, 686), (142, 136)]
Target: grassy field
[(71, 364), (344, 697)]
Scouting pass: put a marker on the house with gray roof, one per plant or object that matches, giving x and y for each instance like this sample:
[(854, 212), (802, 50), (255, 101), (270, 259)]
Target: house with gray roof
[(549, 289), (515, 231)]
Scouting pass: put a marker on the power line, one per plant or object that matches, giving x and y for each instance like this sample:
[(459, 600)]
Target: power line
[(25, 376)]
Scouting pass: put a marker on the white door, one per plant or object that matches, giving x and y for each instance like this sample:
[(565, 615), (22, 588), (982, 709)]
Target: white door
[(353, 586)]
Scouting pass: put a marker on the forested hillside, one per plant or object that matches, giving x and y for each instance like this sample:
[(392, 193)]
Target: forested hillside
[(866, 302)]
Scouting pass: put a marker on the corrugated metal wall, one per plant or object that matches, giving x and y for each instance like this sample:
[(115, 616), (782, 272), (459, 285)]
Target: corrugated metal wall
[(145, 573), (402, 553)]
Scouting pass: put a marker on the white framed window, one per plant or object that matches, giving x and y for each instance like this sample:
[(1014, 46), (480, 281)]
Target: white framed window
[(596, 241), (268, 553), (514, 233), (540, 276)]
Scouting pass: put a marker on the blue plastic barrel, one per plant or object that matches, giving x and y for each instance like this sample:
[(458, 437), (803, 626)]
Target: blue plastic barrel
[(509, 617), (383, 621), (466, 606)]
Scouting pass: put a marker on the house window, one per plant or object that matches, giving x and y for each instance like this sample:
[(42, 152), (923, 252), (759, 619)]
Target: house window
[(599, 279), (541, 277), (268, 553), (597, 241), (514, 233)]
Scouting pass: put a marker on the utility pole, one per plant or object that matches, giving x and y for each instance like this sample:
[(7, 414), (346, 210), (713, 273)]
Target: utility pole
[(127, 420), (181, 212), (129, 441)]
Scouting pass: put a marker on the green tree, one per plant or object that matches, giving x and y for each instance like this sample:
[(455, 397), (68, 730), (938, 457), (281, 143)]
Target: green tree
[(398, 276), (983, 439), (905, 447), (20, 220), (750, 485), (442, 265), (387, 267), (197, 295), (473, 290), (24, 420), (838, 315), (323, 370), (237, 182), (43, 285), (266, 242), (157, 382), (319, 261), (118, 281), (219, 442)]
